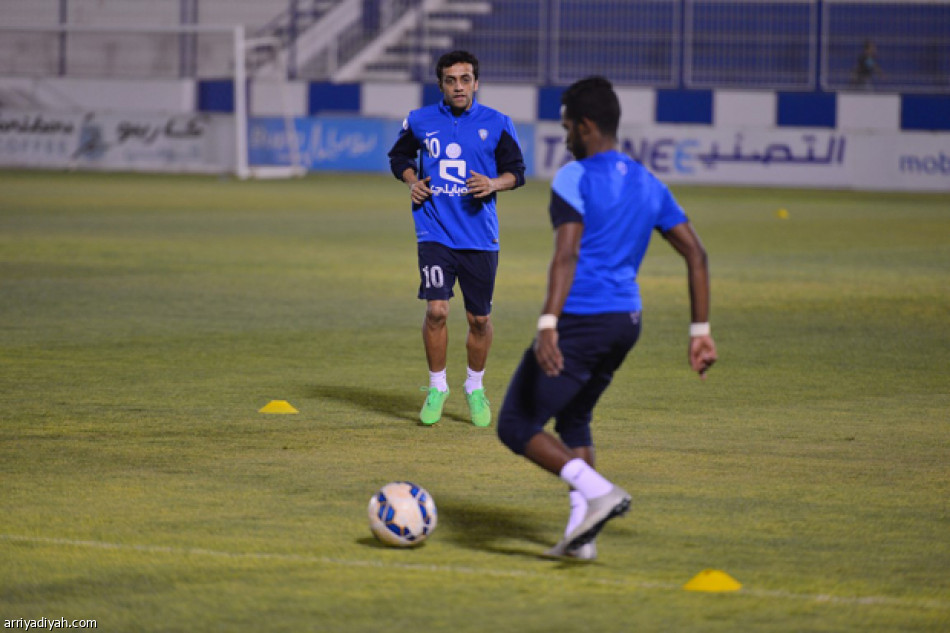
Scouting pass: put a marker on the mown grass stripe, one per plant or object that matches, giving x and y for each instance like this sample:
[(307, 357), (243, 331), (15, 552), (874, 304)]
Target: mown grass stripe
[(464, 569)]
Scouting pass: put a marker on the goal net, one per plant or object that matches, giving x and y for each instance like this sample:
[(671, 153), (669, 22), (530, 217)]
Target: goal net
[(171, 99)]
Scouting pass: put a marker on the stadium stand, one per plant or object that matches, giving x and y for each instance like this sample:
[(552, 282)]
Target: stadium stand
[(772, 72), (694, 44), (912, 39)]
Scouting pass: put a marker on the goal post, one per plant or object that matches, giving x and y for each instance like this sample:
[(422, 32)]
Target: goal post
[(163, 98), (245, 47)]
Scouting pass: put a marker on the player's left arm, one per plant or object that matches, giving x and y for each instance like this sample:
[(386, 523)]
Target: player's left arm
[(510, 167), (481, 186), (702, 348)]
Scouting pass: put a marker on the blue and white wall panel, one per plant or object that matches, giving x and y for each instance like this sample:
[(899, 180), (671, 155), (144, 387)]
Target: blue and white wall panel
[(849, 140), (735, 137)]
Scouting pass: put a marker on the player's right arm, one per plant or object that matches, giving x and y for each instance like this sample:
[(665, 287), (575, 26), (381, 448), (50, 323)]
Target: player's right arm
[(567, 246), (418, 189), (567, 217), (402, 162)]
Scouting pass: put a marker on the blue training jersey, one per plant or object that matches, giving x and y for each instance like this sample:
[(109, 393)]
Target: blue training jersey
[(449, 148), (620, 203)]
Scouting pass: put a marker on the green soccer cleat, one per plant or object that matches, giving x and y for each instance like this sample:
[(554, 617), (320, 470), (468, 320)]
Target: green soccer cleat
[(478, 405), (432, 409)]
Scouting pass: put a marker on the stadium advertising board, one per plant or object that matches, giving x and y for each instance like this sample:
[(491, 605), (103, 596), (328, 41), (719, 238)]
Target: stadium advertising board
[(330, 143), (340, 143), (773, 157), (120, 142)]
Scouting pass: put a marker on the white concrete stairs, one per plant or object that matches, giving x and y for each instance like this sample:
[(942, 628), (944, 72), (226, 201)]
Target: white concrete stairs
[(411, 40)]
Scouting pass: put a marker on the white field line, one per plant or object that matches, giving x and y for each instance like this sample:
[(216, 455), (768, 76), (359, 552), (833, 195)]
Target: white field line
[(462, 569)]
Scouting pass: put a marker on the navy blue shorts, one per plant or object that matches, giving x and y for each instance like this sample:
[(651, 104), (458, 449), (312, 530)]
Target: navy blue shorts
[(594, 346), (440, 266)]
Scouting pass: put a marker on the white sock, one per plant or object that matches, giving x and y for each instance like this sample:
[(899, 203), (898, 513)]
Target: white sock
[(578, 510), (438, 380), (474, 380), (579, 475)]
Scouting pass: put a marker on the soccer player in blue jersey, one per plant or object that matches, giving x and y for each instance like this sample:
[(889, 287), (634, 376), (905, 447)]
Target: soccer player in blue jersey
[(604, 208), (455, 156)]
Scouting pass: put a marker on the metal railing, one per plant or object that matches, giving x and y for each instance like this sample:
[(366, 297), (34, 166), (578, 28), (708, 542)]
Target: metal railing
[(697, 44)]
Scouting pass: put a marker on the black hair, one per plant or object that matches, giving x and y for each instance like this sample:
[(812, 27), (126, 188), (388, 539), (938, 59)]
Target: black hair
[(456, 57), (593, 98)]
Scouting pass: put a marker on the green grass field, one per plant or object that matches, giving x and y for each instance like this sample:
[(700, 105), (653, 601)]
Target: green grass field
[(144, 321)]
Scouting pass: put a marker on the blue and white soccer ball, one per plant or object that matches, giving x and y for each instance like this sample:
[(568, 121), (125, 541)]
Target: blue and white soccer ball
[(402, 514)]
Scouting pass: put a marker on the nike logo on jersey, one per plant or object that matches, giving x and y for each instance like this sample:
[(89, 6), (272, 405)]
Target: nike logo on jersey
[(428, 134)]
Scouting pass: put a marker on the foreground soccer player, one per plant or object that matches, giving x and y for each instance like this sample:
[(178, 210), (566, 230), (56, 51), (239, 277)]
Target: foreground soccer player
[(604, 208), (467, 153)]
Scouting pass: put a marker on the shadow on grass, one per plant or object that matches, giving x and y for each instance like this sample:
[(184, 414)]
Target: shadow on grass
[(482, 528), (398, 405), (373, 542), (490, 528)]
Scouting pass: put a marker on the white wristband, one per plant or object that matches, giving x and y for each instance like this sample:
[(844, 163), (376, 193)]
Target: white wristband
[(699, 329), (547, 322)]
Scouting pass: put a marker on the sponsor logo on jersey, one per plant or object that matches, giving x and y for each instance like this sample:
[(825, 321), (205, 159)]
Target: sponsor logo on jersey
[(447, 167), (450, 190)]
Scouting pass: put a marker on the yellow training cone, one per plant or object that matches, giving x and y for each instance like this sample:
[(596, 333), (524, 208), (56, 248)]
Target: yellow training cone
[(782, 214), (712, 580), (278, 406)]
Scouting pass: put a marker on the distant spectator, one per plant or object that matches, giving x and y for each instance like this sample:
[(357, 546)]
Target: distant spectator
[(867, 68)]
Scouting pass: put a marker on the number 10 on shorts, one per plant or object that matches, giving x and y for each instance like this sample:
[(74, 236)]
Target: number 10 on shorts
[(434, 278)]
